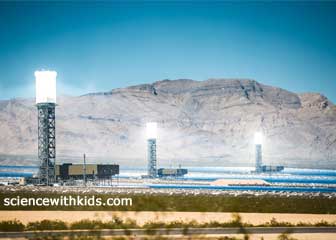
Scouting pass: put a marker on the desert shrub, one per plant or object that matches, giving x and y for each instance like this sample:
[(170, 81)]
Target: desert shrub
[(274, 223), (115, 223), (11, 226), (286, 236), (46, 225), (228, 238), (87, 224), (151, 225), (130, 223), (323, 224), (119, 223), (191, 203)]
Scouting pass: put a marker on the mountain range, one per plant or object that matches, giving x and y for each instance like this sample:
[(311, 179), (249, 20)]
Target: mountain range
[(200, 123)]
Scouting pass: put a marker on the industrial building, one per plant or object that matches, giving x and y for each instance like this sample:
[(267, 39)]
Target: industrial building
[(69, 171), (271, 168), (172, 172)]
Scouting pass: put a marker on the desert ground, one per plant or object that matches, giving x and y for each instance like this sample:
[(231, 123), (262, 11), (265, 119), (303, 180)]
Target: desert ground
[(143, 217), (301, 236)]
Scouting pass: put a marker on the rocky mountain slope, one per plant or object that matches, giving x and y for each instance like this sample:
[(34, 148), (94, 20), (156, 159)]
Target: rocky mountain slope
[(201, 123)]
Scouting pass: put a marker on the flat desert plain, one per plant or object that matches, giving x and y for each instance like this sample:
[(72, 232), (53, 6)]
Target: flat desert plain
[(143, 217)]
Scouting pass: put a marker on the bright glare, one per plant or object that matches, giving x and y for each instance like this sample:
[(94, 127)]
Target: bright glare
[(258, 138), (45, 86), (151, 130)]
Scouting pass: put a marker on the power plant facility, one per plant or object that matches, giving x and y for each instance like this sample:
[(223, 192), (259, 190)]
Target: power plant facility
[(49, 173), (259, 167), (152, 171), (46, 102), (151, 150), (69, 171)]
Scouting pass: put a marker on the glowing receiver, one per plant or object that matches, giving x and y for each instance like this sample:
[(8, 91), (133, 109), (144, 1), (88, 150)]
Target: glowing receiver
[(151, 128), (45, 86), (258, 138)]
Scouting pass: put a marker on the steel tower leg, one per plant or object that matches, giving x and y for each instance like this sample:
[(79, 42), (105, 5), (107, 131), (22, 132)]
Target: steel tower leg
[(258, 156), (151, 155), (46, 142)]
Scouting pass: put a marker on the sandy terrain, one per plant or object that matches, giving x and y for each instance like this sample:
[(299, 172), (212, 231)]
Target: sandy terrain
[(142, 217), (301, 236), (239, 182)]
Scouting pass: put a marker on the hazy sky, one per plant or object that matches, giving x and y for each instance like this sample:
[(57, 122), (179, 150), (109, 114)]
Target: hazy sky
[(100, 46)]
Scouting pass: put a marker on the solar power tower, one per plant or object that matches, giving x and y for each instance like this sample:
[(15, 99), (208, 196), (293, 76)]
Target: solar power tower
[(258, 138), (46, 102), (151, 149)]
